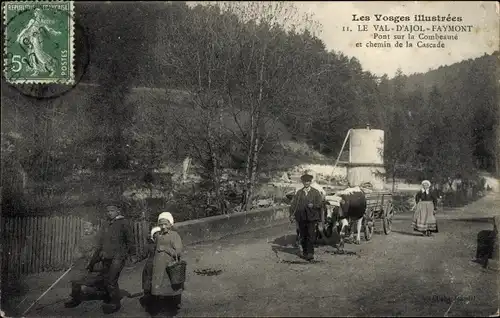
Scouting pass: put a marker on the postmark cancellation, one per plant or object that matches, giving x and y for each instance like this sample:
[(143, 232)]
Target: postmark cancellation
[(39, 42)]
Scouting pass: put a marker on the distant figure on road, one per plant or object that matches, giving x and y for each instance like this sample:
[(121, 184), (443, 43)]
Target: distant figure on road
[(166, 247), (115, 244), (424, 219), (485, 245), (305, 208)]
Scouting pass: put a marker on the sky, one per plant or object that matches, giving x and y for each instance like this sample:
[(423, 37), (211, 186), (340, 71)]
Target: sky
[(483, 15)]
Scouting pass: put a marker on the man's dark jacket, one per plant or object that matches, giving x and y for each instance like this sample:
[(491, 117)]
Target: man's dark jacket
[(299, 208), (116, 241)]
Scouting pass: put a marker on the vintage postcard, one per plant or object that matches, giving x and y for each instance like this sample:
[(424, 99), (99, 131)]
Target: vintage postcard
[(38, 44), (250, 158)]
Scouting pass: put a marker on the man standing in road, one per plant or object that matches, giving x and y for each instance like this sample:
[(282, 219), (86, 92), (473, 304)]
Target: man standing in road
[(306, 208), (317, 186), (115, 244)]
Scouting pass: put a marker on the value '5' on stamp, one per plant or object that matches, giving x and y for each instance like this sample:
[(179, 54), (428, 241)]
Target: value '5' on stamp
[(39, 39)]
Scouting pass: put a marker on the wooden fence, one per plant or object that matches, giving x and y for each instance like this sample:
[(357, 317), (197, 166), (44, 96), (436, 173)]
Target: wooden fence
[(48, 243)]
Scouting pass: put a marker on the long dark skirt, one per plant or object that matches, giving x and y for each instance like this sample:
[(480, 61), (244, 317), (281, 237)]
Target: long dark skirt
[(161, 305), (155, 305)]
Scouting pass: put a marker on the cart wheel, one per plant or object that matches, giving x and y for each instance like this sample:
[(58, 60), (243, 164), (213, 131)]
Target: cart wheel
[(388, 213), (368, 225)]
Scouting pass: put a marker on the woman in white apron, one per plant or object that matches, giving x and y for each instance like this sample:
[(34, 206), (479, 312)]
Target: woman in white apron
[(159, 293), (424, 219)]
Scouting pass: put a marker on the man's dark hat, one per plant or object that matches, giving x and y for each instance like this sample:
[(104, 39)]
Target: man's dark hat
[(114, 204), (306, 178)]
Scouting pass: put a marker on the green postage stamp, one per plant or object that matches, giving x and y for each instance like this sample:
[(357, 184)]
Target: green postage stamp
[(39, 42)]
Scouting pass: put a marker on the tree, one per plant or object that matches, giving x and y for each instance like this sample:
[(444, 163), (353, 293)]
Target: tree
[(400, 136), (113, 115), (242, 65)]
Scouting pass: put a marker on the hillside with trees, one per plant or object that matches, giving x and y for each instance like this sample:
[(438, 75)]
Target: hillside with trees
[(450, 117), (227, 86)]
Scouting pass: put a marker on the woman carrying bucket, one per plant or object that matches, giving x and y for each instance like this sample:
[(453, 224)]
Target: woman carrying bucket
[(424, 219), (160, 292)]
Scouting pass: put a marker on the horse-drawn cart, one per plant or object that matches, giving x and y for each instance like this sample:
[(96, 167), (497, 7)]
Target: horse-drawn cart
[(378, 207)]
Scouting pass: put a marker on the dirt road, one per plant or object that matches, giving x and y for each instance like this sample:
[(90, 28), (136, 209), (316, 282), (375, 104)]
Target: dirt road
[(399, 274)]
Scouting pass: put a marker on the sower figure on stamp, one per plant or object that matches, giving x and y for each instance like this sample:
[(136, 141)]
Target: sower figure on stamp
[(306, 208), (39, 44), (32, 39), (115, 245)]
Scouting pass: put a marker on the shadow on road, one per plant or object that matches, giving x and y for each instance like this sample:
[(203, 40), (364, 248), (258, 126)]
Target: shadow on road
[(285, 240), (289, 240), (333, 240), (475, 220), (58, 304), (283, 249), (408, 233), (285, 244)]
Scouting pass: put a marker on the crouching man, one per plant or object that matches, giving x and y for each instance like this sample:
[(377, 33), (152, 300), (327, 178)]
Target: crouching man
[(115, 244), (84, 283)]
